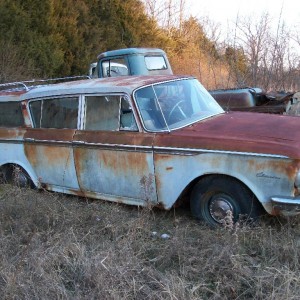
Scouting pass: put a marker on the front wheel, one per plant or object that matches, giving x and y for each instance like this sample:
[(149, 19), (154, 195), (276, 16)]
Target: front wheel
[(218, 200)]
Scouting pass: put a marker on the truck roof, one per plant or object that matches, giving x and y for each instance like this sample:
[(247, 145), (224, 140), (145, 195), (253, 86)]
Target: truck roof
[(127, 51)]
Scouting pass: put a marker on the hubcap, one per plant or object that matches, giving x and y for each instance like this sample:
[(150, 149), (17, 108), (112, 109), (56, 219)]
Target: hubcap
[(219, 207)]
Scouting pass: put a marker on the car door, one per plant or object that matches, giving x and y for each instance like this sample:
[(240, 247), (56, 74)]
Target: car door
[(113, 159), (48, 145)]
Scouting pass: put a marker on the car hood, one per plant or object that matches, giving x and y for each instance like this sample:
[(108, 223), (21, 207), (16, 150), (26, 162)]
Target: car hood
[(239, 132)]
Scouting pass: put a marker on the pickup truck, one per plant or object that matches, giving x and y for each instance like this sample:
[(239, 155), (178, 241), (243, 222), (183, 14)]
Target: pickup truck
[(153, 61), (131, 61)]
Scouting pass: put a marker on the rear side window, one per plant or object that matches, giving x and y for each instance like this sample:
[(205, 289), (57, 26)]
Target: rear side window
[(155, 63), (55, 113), (102, 113), (109, 113), (11, 114)]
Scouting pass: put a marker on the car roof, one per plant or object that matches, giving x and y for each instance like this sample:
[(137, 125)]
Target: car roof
[(121, 84)]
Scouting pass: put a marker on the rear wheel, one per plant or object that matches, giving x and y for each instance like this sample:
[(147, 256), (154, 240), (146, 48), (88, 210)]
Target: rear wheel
[(16, 175), (218, 200)]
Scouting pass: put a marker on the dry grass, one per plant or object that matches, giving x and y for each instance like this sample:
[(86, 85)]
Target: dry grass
[(61, 247)]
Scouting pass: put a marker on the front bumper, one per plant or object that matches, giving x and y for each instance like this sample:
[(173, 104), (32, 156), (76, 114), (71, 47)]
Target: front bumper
[(288, 206)]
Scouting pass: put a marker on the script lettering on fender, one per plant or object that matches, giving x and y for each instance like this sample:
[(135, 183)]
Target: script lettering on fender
[(263, 175)]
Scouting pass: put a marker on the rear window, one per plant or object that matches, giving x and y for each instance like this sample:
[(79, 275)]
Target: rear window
[(11, 114), (155, 63), (114, 67)]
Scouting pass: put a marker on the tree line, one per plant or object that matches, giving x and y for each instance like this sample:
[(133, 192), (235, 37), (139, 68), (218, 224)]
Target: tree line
[(44, 39)]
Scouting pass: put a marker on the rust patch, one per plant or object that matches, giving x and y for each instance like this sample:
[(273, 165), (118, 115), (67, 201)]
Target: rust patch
[(12, 133), (123, 161), (129, 83), (32, 154), (54, 155), (147, 183), (76, 192), (114, 138), (41, 155), (160, 206), (238, 132), (52, 135), (13, 93), (272, 166), (26, 115), (275, 211), (104, 155)]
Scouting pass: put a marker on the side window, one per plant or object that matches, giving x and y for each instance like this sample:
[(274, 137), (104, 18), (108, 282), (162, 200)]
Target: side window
[(114, 67), (55, 113), (127, 120), (102, 113), (11, 114), (109, 113)]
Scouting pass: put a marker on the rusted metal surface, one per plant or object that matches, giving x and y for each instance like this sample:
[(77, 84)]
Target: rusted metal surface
[(116, 163), (50, 154), (241, 132), (13, 134), (12, 150), (122, 84), (288, 205), (50, 135), (265, 176), (14, 95), (25, 111)]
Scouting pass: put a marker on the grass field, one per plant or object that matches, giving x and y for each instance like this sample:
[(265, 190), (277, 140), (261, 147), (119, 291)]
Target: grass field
[(61, 247)]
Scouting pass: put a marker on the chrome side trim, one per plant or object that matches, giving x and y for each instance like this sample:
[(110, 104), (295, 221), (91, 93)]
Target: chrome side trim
[(115, 147), (12, 141), (192, 151), (162, 150)]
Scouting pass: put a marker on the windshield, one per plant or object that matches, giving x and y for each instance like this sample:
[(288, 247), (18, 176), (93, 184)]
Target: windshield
[(175, 104)]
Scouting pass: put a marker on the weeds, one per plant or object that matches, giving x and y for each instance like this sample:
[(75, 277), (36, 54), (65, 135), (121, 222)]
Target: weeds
[(62, 247)]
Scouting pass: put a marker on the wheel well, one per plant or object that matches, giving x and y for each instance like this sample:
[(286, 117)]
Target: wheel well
[(6, 172), (184, 197), (9, 171)]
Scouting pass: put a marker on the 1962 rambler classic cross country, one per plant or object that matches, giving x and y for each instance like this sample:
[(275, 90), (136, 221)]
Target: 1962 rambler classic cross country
[(150, 139)]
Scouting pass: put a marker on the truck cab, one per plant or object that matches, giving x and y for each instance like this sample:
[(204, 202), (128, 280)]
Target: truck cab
[(131, 61)]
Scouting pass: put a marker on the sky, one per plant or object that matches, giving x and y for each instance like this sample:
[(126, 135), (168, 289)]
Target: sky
[(226, 11)]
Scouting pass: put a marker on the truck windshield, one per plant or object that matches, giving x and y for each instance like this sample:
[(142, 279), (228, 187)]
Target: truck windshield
[(174, 104)]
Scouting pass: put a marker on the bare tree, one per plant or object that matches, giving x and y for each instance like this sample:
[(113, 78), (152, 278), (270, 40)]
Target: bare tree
[(169, 14), (156, 10), (254, 38), (270, 56)]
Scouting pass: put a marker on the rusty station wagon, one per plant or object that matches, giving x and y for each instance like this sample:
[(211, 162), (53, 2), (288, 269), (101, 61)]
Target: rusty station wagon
[(155, 140)]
